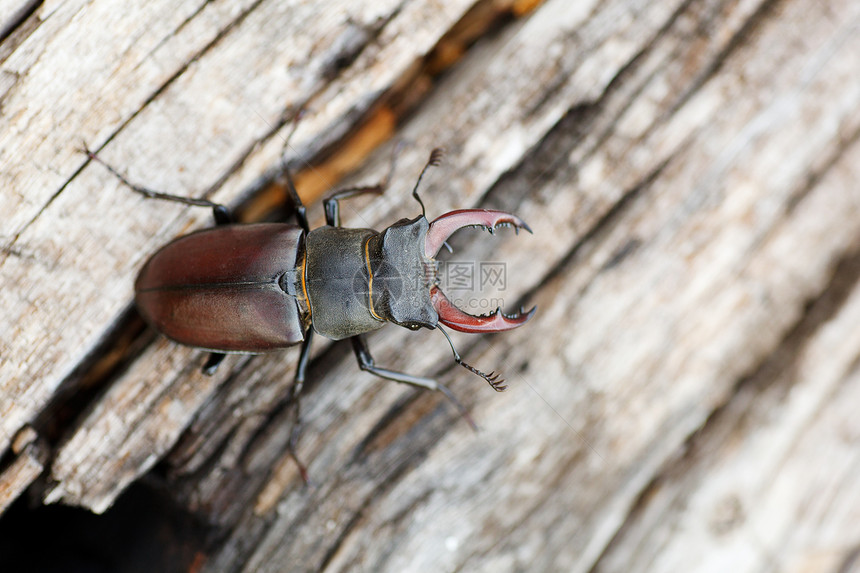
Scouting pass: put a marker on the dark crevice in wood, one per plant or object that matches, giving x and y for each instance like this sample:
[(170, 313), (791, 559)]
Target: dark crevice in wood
[(77, 393), (145, 531), (18, 18), (818, 173), (542, 163), (176, 32), (624, 72), (117, 349), (627, 75), (394, 416), (353, 43), (622, 253), (775, 373)]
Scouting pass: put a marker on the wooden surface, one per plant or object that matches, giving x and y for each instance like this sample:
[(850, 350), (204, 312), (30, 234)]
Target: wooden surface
[(684, 398)]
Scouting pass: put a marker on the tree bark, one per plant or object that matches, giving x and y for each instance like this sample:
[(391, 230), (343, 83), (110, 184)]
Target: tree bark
[(683, 398)]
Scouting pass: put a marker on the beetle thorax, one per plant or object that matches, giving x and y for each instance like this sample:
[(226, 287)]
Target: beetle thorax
[(358, 279)]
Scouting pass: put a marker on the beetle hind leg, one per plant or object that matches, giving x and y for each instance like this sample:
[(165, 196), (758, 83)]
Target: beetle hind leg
[(212, 362), (221, 214)]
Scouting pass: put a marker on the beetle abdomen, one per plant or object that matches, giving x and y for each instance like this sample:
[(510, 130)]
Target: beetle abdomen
[(221, 288)]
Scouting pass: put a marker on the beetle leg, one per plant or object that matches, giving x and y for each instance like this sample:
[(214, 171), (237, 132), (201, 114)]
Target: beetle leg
[(332, 210), (301, 212), (295, 404), (365, 362), (219, 212), (212, 363)]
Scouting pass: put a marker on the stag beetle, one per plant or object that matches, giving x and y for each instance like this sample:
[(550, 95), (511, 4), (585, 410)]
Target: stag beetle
[(258, 287)]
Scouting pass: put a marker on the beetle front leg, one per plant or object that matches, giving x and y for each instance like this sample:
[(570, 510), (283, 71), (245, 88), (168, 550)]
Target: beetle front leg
[(365, 362), (332, 208)]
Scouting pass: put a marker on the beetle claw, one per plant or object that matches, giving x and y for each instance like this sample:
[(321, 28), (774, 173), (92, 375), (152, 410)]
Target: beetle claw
[(445, 226), (497, 321), (437, 235)]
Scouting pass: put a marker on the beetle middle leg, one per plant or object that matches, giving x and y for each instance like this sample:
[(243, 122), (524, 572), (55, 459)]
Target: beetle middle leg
[(295, 404), (365, 362)]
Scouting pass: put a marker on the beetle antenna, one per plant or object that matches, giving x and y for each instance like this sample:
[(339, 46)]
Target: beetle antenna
[(492, 378), (435, 159)]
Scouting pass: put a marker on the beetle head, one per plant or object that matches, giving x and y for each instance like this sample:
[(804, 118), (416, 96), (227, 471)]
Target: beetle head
[(402, 275)]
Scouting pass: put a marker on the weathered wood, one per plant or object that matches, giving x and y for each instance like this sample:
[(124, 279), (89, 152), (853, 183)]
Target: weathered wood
[(769, 484), (689, 169), (28, 464)]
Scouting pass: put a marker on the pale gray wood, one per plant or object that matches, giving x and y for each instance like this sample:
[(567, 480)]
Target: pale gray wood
[(690, 170), (770, 485)]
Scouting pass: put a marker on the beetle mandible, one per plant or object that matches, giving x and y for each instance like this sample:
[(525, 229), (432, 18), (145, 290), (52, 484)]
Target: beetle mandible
[(258, 287)]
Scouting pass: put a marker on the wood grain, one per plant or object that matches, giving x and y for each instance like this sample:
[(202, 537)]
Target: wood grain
[(682, 399)]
